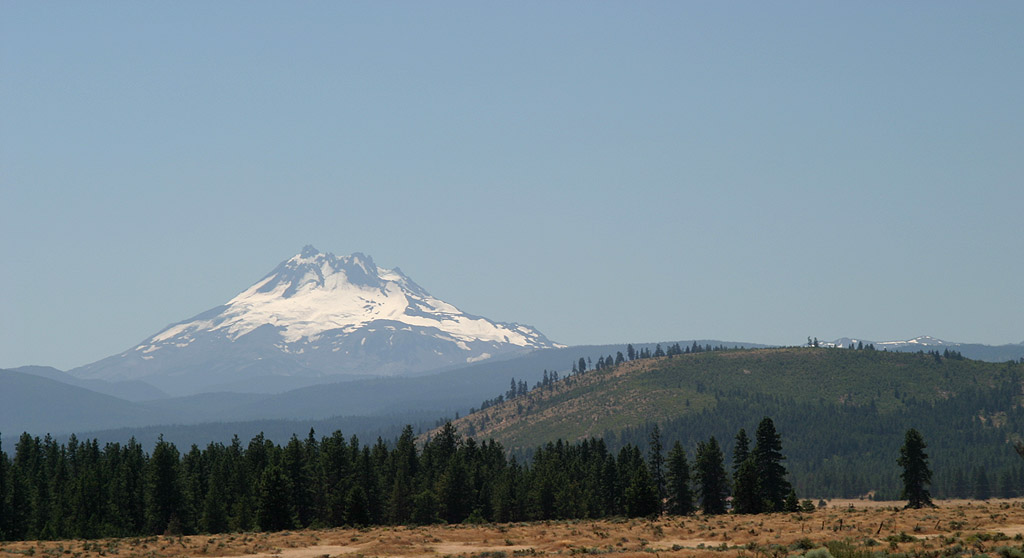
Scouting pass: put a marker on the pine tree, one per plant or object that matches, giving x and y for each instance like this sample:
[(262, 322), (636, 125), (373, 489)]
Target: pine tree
[(680, 496), (193, 490), (358, 506), (274, 512), (746, 496), (916, 473), (740, 450), (294, 463), (18, 502), (656, 463), (425, 508), (640, 495), (712, 482), (792, 504), (129, 488), (214, 518), (404, 463), (163, 492), (453, 491), (771, 474)]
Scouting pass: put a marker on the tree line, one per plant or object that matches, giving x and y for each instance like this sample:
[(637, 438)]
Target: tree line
[(50, 490), (521, 388)]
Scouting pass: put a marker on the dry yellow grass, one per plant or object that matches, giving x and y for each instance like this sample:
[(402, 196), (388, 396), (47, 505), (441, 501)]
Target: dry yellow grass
[(954, 528)]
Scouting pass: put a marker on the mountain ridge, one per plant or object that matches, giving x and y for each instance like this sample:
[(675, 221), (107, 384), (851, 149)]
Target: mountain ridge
[(657, 389), (976, 351)]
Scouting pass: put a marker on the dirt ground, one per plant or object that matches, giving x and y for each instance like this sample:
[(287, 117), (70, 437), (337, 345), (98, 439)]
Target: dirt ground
[(854, 528)]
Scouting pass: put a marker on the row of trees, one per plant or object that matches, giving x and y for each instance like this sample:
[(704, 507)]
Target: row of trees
[(81, 490)]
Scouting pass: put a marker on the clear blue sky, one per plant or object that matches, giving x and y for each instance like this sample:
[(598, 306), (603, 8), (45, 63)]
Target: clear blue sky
[(604, 171)]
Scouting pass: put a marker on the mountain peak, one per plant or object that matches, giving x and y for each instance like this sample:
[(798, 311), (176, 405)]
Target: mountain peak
[(320, 314)]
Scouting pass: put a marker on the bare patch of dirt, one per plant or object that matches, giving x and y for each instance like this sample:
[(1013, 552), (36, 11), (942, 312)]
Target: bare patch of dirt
[(953, 528)]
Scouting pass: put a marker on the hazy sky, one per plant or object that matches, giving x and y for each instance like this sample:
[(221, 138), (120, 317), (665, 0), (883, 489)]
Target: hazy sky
[(604, 171)]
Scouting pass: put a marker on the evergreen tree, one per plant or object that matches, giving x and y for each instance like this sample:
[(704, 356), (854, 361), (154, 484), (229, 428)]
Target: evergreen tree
[(19, 501), (771, 474), (740, 450), (746, 495), (582, 365), (656, 463), (128, 491), (163, 492), (404, 463), (358, 506), (242, 501), (214, 518), (680, 496), (294, 463), (192, 480), (630, 352), (640, 495), (453, 491), (712, 482), (792, 504), (425, 508), (916, 473), (274, 512)]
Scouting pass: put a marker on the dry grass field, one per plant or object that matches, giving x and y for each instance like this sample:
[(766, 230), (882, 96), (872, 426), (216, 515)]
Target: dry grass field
[(846, 528)]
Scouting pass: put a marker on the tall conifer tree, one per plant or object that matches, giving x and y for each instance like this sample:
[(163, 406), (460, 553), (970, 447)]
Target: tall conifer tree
[(712, 482), (771, 474), (163, 492), (680, 495), (656, 463), (275, 511), (916, 474)]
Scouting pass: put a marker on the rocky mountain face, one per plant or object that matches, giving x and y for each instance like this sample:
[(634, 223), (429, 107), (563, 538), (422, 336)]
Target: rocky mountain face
[(316, 317)]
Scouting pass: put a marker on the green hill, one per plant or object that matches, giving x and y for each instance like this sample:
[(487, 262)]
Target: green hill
[(841, 412)]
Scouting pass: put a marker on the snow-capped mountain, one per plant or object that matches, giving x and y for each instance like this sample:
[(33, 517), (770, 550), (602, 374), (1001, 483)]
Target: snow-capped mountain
[(315, 317), (918, 343), (992, 353)]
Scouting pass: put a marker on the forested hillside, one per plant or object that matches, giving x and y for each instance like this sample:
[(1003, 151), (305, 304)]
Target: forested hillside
[(840, 411)]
